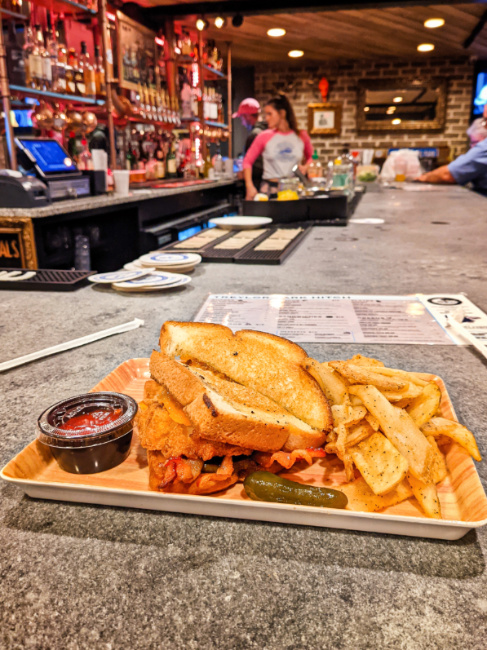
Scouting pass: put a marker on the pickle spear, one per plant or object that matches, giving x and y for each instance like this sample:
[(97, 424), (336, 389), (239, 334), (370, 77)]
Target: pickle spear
[(266, 486)]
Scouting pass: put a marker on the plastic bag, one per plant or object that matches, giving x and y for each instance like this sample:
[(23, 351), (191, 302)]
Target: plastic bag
[(404, 164)]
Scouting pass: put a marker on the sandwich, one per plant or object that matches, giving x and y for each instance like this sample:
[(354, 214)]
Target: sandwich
[(220, 405)]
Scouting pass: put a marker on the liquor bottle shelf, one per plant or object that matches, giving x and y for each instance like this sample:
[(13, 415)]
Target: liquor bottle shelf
[(33, 92), (62, 6), (216, 125), (13, 14)]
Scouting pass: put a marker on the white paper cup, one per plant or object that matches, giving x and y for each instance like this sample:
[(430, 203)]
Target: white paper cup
[(100, 159), (121, 178)]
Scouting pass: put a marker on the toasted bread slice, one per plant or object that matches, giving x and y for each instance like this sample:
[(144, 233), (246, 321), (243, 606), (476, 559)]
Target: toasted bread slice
[(268, 364), (224, 411)]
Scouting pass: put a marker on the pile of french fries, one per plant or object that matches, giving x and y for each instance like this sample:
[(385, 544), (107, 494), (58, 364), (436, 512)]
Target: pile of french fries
[(386, 424)]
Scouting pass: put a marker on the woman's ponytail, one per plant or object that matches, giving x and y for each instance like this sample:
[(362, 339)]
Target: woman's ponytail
[(282, 103)]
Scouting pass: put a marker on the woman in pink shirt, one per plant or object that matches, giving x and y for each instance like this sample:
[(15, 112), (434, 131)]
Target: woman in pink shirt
[(282, 146)]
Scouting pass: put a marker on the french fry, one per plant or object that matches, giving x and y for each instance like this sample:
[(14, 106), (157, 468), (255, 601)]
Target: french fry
[(373, 421), (355, 401), (379, 462), (402, 374), (348, 415), (360, 360), (359, 432), (425, 406), (356, 434), (400, 429), (362, 499), (442, 427), (342, 453), (361, 375), (438, 465), (334, 386), (426, 496), (409, 393)]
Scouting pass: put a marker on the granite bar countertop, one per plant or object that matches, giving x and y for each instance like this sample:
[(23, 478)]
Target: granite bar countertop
[(78, 576), (108, 200)]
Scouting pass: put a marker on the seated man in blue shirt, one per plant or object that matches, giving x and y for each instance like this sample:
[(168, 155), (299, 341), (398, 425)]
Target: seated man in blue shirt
[(471, 167)]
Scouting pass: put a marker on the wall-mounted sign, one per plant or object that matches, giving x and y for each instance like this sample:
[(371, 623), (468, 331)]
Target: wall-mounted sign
[(17, 244), (11, 249), (324, 119)]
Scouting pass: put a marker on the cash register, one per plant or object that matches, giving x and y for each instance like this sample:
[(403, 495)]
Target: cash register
[(46, 159)]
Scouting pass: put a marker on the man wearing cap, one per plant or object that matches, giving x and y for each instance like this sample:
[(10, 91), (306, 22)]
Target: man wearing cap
[(249, 114)]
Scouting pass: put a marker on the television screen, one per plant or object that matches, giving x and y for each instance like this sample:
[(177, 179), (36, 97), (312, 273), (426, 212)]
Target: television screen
[(479, 89)]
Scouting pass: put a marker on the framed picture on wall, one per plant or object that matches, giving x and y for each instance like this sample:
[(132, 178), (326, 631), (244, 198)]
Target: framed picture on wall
[(324, 119)]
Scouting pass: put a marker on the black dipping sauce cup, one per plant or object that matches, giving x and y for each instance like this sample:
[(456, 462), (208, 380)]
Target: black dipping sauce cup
[(93, 447)]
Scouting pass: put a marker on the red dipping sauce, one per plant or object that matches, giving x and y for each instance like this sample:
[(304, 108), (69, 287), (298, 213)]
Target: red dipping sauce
[(80, 425), (89, 433)]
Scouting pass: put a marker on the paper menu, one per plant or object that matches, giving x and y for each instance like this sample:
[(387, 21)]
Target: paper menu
[(475, 320), (332, 318)]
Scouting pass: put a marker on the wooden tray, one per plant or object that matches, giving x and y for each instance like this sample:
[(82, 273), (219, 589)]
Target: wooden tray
[(462, 497)]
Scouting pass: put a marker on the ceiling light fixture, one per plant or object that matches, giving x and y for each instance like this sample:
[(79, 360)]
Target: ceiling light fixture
[(276, 32), (237, 20), (396, 121), (202, 24), (366, 109), (295, 54), (426, 47), (220, 22), (433, 23), (397, 99)]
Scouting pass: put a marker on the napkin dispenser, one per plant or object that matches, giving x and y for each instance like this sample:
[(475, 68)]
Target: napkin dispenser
[(18, 191)]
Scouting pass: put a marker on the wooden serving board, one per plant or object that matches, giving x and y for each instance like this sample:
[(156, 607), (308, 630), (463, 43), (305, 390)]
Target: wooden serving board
[(462, 497)]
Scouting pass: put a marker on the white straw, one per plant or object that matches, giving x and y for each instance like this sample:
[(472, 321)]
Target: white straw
[(75, 343)]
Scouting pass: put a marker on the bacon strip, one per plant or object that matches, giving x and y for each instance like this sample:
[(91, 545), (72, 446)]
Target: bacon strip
[(287, 459)]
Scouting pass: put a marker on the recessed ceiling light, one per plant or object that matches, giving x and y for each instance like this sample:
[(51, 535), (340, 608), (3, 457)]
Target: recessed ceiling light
[(295, 54), (391, 110), (276, 32), (366, 109), (426, 47), (397, 99), (396, 121), (433, 23)]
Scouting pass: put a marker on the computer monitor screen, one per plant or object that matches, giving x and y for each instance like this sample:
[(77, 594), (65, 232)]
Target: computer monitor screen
[(50, 157)]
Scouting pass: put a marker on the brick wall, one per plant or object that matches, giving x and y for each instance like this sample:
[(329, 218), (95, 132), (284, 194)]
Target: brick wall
[(301, 84)]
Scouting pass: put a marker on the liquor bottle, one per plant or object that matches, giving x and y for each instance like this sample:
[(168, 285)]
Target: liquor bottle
[(101, 87), (88, 72), (62, 59), (35, 59), (27, 51), (46, 64), (71, 69), (315, 169), (207, 166), (160, 161), (15, 58), (85, 160), (171, 165), (51, 48), (130, 159), (79, 73)]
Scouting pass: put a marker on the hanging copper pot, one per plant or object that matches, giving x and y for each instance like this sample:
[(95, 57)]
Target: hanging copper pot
[(59, 118), (89, 122), (43, 117), (74, 120)]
